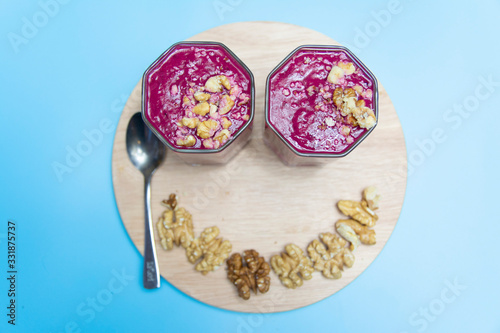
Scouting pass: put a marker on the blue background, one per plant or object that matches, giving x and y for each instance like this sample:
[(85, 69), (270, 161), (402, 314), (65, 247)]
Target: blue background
[(85, 59)]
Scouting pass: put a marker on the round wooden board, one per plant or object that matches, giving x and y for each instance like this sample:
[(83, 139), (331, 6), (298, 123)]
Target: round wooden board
[(255, 200)]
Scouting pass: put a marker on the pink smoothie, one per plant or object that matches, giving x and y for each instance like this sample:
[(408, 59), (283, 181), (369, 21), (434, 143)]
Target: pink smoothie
[(173, 84), (301, 102)]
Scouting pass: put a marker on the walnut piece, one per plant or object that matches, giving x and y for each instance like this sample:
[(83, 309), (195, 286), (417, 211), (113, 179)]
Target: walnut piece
[(365, 117), (175, 226), (190, 122), (356, 230), (222, 136), (359, 211), (348, 67), (336, 73), (211, 250), (213, 111), (371, 196), (215, 83), (345, 130), (201, 108), (186, 101), (171, 201), (330, 255), (254, 276), (290, 264), (226, 123), (200, 96), (348, 233), (225, 104), (329, 121), (349, 106), (207, 128), (188, 141), (366, 236), (358, 89)]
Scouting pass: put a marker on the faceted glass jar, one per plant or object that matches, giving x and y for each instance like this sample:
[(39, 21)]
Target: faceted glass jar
[(199, 99), (321, 102)]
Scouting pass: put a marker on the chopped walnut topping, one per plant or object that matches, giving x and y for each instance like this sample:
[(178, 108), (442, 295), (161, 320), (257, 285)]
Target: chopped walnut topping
[(186, 101), (355, 110), (223, 136), (209, 143), (311, 90), (226, 123), (366, 118), (329, 121), (200, 96), (204, 107), (213, 112), (207, 128), (225, 104), (345, 130), (215, 83), (244, 98), (358, 89), (348, 67), (335, 75), (201, 108), (190, 122), (188, 141), (225, 82)]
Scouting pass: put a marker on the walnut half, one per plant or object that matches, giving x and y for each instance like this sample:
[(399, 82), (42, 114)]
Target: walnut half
[(356, 230), (292, 266), (365, 235), (252, 276), (175, 226), (210, 249), (359, 211), (330, 255)]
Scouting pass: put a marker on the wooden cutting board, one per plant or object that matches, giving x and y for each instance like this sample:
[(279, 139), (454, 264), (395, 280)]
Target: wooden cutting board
[(255, 200)]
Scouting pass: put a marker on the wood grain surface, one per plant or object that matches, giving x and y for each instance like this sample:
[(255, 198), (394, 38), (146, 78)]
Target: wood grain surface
[(255, 200)]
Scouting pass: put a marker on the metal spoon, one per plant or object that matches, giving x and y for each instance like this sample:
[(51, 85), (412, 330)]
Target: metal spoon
[(146, 152)]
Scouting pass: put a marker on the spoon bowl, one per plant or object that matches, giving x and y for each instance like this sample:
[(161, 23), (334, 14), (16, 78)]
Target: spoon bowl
[(144, 149), (146, 153)]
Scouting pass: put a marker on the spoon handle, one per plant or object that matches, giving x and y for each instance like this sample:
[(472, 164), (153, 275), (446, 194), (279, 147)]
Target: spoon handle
[(151, 273)]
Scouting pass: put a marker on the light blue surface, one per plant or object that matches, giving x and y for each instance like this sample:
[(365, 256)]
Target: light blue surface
[(81, 64)]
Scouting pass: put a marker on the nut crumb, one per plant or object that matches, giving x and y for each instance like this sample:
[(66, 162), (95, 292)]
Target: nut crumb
[(329, 121)]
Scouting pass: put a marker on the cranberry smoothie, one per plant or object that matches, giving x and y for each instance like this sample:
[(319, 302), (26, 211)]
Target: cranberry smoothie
[(321, 101), (197, 96)]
